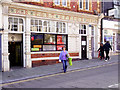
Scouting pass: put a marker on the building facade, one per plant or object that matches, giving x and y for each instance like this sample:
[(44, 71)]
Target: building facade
[(34, 35)]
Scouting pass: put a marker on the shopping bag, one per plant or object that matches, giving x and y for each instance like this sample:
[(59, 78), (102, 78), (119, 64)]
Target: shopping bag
[(70, 61)]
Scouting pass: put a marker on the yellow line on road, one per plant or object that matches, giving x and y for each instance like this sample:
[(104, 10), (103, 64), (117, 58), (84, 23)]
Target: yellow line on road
[(55, 74)]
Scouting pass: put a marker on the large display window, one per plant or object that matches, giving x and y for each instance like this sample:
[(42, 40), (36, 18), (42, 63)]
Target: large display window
[(47, 42)]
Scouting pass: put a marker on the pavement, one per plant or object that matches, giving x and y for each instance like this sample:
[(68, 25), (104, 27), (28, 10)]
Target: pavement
[(26, 73)]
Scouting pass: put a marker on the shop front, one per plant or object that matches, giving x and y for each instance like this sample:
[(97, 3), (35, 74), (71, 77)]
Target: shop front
[(110, 33), (35, 35)]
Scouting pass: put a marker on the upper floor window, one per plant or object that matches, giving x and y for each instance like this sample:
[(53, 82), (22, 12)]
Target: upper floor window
[(57, 2), (81, 4), (82, 29), (15, 24), (48, 26), (87, 4), (64, 2)]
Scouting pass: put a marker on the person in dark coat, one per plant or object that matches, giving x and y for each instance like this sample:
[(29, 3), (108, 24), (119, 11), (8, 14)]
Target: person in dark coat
[(101, 49), (107, 48)]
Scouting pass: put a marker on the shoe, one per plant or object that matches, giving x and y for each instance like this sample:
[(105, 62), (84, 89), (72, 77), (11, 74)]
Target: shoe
[(106, 60)]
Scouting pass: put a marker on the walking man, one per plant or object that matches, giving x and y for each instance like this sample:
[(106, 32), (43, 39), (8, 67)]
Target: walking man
[(107, 48)]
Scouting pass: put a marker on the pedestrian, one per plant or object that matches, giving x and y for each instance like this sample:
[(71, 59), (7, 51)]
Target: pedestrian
[(101, 50), (107, 48), (64, 58)]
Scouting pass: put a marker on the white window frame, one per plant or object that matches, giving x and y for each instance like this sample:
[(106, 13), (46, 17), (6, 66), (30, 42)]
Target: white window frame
[(18, 25), (52, 27), (82, 4), (88, 4), (57, 3), (63, 2), (80, 28)]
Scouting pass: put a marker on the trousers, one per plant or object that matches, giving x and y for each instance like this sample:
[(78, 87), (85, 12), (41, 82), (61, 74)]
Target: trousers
[(64, 65), (107, 55)]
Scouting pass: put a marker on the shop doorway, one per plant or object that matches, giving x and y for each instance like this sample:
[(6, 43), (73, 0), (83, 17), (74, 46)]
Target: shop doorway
[(92, 46), (16, 54), (84, 47)]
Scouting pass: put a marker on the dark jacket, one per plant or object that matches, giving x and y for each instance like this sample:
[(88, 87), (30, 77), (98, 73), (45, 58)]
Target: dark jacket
[(101, 49), (107, 47)]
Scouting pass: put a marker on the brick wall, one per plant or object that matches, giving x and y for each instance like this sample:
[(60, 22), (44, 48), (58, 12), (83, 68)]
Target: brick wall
[(73, 6)]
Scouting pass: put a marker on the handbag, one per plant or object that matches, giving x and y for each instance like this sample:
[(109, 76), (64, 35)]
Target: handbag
[(70, 61)]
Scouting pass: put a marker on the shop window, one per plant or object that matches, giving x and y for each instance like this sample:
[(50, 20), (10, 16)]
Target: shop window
[(15, 24), (47, 42), (57, 2), (81, 4), (87, 4), (82, 29), (64, 2)]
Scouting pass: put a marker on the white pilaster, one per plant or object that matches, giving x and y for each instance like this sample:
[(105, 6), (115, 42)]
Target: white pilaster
[(6, 64), (28, 61)]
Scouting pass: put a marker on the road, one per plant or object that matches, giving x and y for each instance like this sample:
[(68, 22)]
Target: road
[(96, 77)]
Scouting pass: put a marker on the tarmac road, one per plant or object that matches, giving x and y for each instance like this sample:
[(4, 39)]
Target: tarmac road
[(104, 76)]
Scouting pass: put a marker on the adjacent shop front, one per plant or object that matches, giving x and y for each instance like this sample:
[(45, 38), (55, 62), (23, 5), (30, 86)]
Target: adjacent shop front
[(110, 33)]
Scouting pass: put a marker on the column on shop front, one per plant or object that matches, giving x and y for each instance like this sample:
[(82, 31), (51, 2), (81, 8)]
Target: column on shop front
[(6, 63), (89, 51), (27, 44), (73, 38)]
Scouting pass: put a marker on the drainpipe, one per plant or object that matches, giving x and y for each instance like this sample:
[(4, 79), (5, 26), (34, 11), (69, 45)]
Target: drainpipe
[(101, 31)]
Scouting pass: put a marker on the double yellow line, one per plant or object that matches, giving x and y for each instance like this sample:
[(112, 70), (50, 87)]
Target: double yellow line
[(36, 78)]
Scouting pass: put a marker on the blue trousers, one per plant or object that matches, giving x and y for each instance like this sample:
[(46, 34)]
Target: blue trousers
[(64, 65)]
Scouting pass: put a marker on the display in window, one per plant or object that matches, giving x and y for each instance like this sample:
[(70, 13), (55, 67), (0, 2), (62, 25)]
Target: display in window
[(35, 49), (37, 39), (61, 39), (49, 39), (49, 47)]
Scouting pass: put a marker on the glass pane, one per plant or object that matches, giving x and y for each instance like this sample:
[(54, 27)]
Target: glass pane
[(60, 28), (61, 39), (20, 27), (36, 22), (57, 29), (33, 28), (32, 22), (37, 39), (84, 26), (40, 22), (49, 39), (15, 27), (64, 25), (21, 21), (57, 24), (81, 31), (64, 30), (15, 20), (81, 3), (52, 29), (84, 31), (49, 47), (45, 29), (40, 28), (10, 20), (45, 23)]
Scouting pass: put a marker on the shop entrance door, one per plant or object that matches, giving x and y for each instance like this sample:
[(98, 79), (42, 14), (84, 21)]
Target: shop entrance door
[(0, 53), (84, 47), (92, 46), (16, 54)]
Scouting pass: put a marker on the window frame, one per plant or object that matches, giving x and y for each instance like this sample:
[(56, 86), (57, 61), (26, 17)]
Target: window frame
[(11, 24), (84, 30)]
